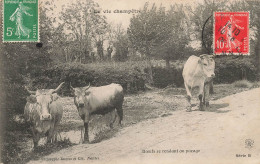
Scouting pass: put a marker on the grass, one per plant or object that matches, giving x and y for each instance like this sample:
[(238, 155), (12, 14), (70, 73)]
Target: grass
[(40, 151), (243, 84)]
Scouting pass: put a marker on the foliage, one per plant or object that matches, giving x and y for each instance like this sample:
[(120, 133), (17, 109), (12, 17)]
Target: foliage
[(160, 33), (230, 69), (121, 46), (18, 61), (131, 75), (202, 17), (80, 29), (164, 77), (243, 84)]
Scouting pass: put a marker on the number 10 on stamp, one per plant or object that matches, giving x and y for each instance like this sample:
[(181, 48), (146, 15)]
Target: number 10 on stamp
[(20, 21)]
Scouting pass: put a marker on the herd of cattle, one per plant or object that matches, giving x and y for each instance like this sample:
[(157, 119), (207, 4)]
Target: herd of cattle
[(43, 109)]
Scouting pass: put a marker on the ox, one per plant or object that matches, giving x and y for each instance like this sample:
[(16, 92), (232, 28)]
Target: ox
[(43, 111), (98, 100), (199, 72)]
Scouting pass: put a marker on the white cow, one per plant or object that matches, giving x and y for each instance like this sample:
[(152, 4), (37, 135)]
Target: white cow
[(43, 111), (199, 72)]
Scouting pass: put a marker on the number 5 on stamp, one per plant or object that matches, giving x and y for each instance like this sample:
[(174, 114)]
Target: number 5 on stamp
[(20, 21)]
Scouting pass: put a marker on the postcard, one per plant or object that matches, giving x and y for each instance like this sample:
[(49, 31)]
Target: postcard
[(140, 81)]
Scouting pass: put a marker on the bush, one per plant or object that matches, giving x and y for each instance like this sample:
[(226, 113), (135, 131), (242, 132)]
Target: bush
[(163, 77), (230, 69), (243, 84), (131, 75)]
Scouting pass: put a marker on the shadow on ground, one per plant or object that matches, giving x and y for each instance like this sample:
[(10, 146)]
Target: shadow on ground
[(216, 108)]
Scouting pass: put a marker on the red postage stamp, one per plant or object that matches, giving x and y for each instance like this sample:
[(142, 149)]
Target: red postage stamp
[(231, 33)]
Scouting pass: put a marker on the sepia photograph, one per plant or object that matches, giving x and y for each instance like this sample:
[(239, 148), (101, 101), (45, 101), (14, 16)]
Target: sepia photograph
[(120, 81)]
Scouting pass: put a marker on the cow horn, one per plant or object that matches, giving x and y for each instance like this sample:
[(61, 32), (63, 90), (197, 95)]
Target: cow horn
[(87, 87), (31, 92), (55, 90), (71, 86), (202, 56)]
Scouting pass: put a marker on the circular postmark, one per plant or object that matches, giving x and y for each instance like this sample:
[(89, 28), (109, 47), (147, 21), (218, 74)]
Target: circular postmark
[(249, 143), (204, 36)]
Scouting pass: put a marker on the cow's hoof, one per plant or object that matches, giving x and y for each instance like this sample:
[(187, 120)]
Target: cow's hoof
[(86, 142), (201, 108), (188, 109)]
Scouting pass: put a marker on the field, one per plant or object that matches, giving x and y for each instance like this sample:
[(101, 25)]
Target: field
[(137, 107)]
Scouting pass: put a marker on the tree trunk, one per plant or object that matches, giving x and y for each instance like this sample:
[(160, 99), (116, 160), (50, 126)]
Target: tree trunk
[(244, 77), (167, 60), (257, 52), (150, 70)]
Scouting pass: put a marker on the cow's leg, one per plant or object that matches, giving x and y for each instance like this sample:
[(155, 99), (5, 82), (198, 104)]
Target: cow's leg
[(86, 138), (113, 118), (36, 138), (188, 97), (206, 94), (50, 134), (201, 88), (120, 114), (86, 121)]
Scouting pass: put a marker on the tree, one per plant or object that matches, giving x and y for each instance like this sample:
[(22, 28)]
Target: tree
[(175, 42), (83, 28), (159, 33), (120, 41), (18, 62), (121, 46), (254, 8), (202, 22)]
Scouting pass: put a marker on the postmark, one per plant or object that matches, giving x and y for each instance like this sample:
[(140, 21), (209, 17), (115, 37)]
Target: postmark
[(231, 33), (249, 143), (20, 21)]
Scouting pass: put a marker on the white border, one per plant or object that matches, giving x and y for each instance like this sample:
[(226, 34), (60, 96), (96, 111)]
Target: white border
[(229, 54), (37, 41)]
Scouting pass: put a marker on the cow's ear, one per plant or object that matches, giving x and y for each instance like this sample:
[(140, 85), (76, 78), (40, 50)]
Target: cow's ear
[(212, 56), (31, 99), (87, 93), (54, 97), (199, 61), (202, 56)]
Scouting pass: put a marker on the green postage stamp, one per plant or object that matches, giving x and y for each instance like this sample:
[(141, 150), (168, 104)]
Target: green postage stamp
[(20, 21)]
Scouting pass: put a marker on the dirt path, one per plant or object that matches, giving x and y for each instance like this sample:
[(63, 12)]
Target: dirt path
[(214, 136)]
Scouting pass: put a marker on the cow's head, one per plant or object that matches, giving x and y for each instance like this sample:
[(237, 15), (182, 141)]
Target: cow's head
[(43, 98), (208, 65), (80, 95)]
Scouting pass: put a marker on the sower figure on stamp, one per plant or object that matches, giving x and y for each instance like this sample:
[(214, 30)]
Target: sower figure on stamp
[(18, 17), (229, 28)]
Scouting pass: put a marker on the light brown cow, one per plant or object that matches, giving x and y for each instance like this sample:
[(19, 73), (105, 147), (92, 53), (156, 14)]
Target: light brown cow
[(98, 100), (43, 111), (199, 72)]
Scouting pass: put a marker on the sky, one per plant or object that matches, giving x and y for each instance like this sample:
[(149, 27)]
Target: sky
[(124, 18)]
